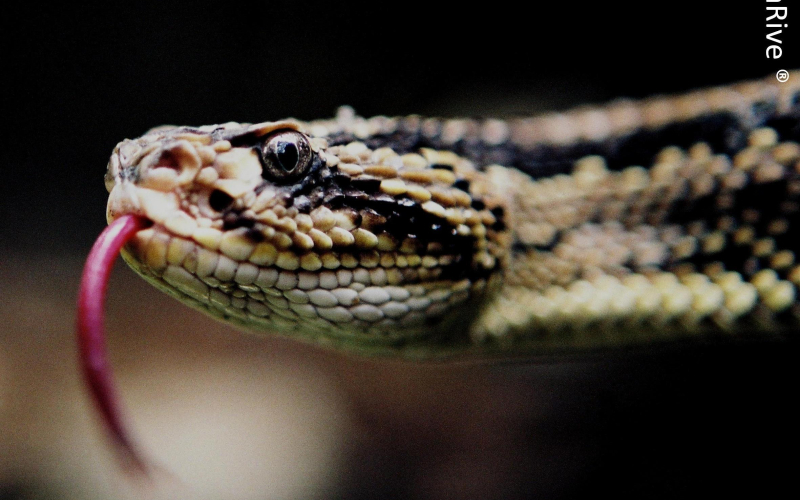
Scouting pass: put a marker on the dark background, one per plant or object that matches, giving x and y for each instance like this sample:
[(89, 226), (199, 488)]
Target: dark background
[(77, 80)]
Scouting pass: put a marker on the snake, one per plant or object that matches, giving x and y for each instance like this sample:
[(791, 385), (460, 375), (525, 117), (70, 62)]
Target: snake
[(627, 224)]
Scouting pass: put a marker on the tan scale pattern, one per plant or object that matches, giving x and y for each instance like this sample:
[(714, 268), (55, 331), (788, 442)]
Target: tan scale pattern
[(610, 246), (585, 258)]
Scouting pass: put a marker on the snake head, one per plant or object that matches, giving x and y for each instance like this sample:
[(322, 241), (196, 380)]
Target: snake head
[(329, 229)]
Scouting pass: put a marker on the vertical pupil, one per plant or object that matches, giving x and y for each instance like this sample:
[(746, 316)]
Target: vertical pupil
[(287, 155)]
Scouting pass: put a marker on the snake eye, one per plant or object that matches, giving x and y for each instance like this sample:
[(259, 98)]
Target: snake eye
[(285, 155)]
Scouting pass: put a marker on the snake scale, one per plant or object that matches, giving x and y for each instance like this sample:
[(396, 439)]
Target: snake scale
[(631, 223)]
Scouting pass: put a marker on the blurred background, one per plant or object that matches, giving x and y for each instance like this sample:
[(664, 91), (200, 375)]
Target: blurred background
[(228, 415)]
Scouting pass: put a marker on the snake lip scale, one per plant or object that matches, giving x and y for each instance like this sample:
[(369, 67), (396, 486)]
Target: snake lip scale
[(625, 224)]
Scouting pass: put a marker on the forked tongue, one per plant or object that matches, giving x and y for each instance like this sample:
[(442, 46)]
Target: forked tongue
[(91, 335)]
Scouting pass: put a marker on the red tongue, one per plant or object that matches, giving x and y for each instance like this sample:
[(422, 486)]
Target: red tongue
[(91, 332)]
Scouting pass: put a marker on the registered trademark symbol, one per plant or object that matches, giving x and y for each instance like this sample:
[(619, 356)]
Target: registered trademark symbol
[(782, 75)]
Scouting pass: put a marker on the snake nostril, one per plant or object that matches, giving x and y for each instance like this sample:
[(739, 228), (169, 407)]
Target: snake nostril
[(219, 200), (168, 160)]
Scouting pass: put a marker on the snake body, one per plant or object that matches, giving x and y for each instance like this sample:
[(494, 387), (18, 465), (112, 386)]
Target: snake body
[(634, 222)]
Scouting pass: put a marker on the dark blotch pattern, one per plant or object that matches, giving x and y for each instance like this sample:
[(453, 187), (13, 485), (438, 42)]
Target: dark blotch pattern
[(233, 220), (368, 184), (724, 132), (462, 184)]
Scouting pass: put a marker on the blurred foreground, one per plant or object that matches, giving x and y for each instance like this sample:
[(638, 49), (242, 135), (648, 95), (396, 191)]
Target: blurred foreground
[(235, 416)]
